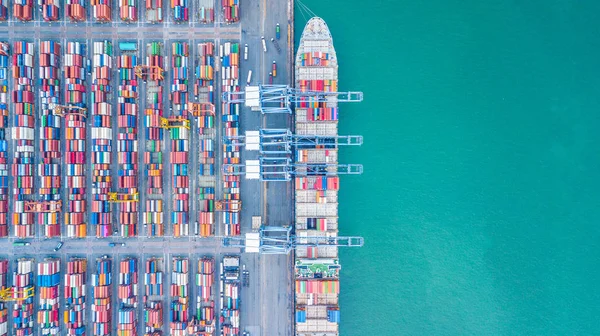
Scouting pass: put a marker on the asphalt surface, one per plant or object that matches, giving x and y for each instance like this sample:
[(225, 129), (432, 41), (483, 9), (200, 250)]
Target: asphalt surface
[(267, 304)]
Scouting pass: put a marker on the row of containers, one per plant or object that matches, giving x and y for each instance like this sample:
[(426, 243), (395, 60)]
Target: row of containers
[(153, 155), (204, 93), (230, 56), (45, 281), (229, 287), (102, 10), (74, 162)]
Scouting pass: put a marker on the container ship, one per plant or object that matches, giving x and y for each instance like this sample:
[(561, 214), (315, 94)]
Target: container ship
[(316, 200)]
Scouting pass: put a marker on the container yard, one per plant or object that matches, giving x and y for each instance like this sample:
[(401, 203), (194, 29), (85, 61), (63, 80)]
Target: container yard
[(81, 215)]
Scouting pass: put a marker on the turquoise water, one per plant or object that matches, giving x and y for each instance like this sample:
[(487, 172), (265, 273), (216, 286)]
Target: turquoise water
[(480, 198)]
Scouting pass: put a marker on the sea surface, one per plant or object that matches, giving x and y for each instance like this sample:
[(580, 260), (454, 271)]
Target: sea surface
[(480, 201)]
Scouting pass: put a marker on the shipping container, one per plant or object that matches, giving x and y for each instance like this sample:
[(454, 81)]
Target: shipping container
[(48, 288), (75, 299)]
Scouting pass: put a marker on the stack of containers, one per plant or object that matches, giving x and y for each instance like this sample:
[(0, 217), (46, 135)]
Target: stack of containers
[(50, 9), (49, 169), (128, 291), (153, 296), (206, 11), (180, 10), (75, 89), (180, 295), (4, 97), (22, 315), (74, 316), (154, 12), (180, 139), (3, 10), (23, 10), (231, 113), (101, 138), (23, 136), (231, 10), (153, 157), (48, 282), (230, 299), (128, 10), (101, 305), (101, 10), (205, 305), (127, 141), (75, 10), (3, 305), (204, 92)]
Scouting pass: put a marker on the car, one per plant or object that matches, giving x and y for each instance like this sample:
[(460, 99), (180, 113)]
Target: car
[(58, 246)]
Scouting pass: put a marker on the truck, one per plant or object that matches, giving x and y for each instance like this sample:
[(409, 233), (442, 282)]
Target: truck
[(249, 77), (264, 44)]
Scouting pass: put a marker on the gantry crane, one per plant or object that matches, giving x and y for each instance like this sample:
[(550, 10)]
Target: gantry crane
[(228, 205), (10, 294), (62, 110), (281, 98), (43, 206), (114, 197), (200, 109), (174, 122), (280, 240), (280, 141), (145, 70)]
